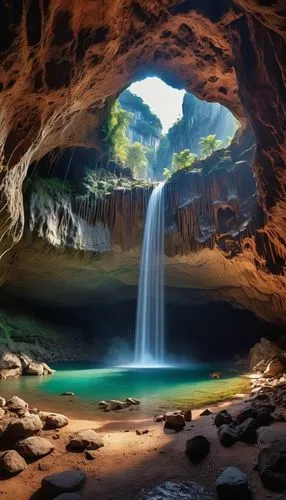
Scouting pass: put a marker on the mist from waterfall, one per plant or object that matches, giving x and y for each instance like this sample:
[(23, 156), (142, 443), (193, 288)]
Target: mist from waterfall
[(150, 321)]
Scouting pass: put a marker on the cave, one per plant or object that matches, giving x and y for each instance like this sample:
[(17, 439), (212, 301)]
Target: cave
[(142, 249)]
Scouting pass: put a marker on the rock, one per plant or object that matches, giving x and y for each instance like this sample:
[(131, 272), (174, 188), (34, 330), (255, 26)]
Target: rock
[(10, 372), (177, 490), (188, 415), (47, 369), (133, 401), (216, 375), (15, 404), (86, 440), (90, 454), (140, 433), (114, 405), (197, 448), (247, 431), (43, 467), (63, 482), (275, 368), (158, 418), (11, 463), (34, 447), (263, 418), (221, 418), (174, 420), (245, 414), (102, 404), (272, 465), (25, 360), (24, 427), (262, 352), (53, 420), (228, 435), (2, 412), (9, 360), (205, 413), (232, 484), (67, 394), (34, 368), (2, 402)]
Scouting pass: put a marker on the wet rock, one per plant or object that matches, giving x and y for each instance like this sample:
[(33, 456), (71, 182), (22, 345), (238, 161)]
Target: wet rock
[(188, 415), (86, 440), (47, 369), (272, 465), (115, 405), (245, 414), (174, 420), (216, 375), (102, 404), (2, 402), (67, 393), (34, 447), (34, 369), (133, 401), (10, 372), (11, 463), (221, 418), (228, 435), (197, 448), (53, 420), (205, 413), (275, 368), (247, 431), (158, 418), (179, 490), (63, 482), (232, 484), (24, 427), (16, 404)]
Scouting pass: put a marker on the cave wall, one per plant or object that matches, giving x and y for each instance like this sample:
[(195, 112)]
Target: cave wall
[(62, 63)]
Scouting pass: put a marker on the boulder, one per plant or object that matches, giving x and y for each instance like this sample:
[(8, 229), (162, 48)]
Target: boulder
[(63, 482), (205, 413), (272, 465), (158, 418), (221, 418), (263, 418), (86, 440), (247, 431), (114, 405), (275, 368), (228, 435), (67, 393), (34, 447), (16, 404), (47, 369), (197, 448), (90, 454), (216, 375), (102, 404), (177, 490), (262, 352), (232, 484), (174, 420), (24, 427), (34, 368), (188, 415), (9, 360), (10, 372), (25, 360), (2, 402), (133, 401), (244, 414), (53, 420), (11, 463)]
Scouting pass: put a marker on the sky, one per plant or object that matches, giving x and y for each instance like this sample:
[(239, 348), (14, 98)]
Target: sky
[(163, 100)]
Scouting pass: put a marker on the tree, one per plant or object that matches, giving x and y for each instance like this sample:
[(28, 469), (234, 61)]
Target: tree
[(137, 159), (117, 122), (183, 159), (167, 173), (209, 144)]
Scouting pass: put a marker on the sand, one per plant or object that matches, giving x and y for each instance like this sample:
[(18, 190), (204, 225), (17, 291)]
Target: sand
[(128, 462)]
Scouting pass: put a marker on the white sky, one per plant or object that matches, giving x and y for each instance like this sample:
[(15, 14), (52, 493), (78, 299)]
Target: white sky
[(163, 100)]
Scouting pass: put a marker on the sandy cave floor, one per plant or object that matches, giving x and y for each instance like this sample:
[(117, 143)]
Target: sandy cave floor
[(128, 462)]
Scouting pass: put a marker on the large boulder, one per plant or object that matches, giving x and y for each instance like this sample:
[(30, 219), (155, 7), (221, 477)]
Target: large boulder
[(247, 431), (24, 427), (16, 404), (197, 448), (275, 368), (272, 465), (174, 420), (222, 418), (53, 420), (34, 368), (63, 482), (86, 440), (11, 463), (232, 484), (262, 353), (34, 447), (2, 402), (10, 365), (228, 435)]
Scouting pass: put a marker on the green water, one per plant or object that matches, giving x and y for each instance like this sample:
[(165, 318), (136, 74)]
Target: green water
[(158, 389)]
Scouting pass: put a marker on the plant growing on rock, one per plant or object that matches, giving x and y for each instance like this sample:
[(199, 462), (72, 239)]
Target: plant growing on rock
[(183, 159), (137, 159), (210, 144)]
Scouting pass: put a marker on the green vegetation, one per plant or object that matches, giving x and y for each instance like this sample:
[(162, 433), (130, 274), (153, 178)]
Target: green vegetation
[(183, 159), (150, 125), (115, 132), (49, 187), (102, 183), (210, 144), (137, 159)]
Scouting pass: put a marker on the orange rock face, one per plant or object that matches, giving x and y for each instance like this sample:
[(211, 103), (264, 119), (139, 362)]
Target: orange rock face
[(62, 62)]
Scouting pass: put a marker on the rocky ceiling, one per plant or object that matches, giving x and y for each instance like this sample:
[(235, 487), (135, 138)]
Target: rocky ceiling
[(62, 61)]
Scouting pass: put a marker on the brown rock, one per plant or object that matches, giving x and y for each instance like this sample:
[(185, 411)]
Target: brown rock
[(53, 420), (11, 463), (174, 420), (24, 427), (275, 368), (34, 447), (188, 415), (86, 440)]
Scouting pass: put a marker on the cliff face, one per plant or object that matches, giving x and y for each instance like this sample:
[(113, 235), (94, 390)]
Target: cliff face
[(199, 119), (63, 62)]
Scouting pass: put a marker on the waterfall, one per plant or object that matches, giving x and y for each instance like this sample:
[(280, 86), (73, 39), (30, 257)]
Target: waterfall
[(150, 327)]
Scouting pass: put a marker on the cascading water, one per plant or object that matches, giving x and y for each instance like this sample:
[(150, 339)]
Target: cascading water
[(150, 327)]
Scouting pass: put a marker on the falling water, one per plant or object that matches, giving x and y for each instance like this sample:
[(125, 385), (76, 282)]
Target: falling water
[(149, 341)]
